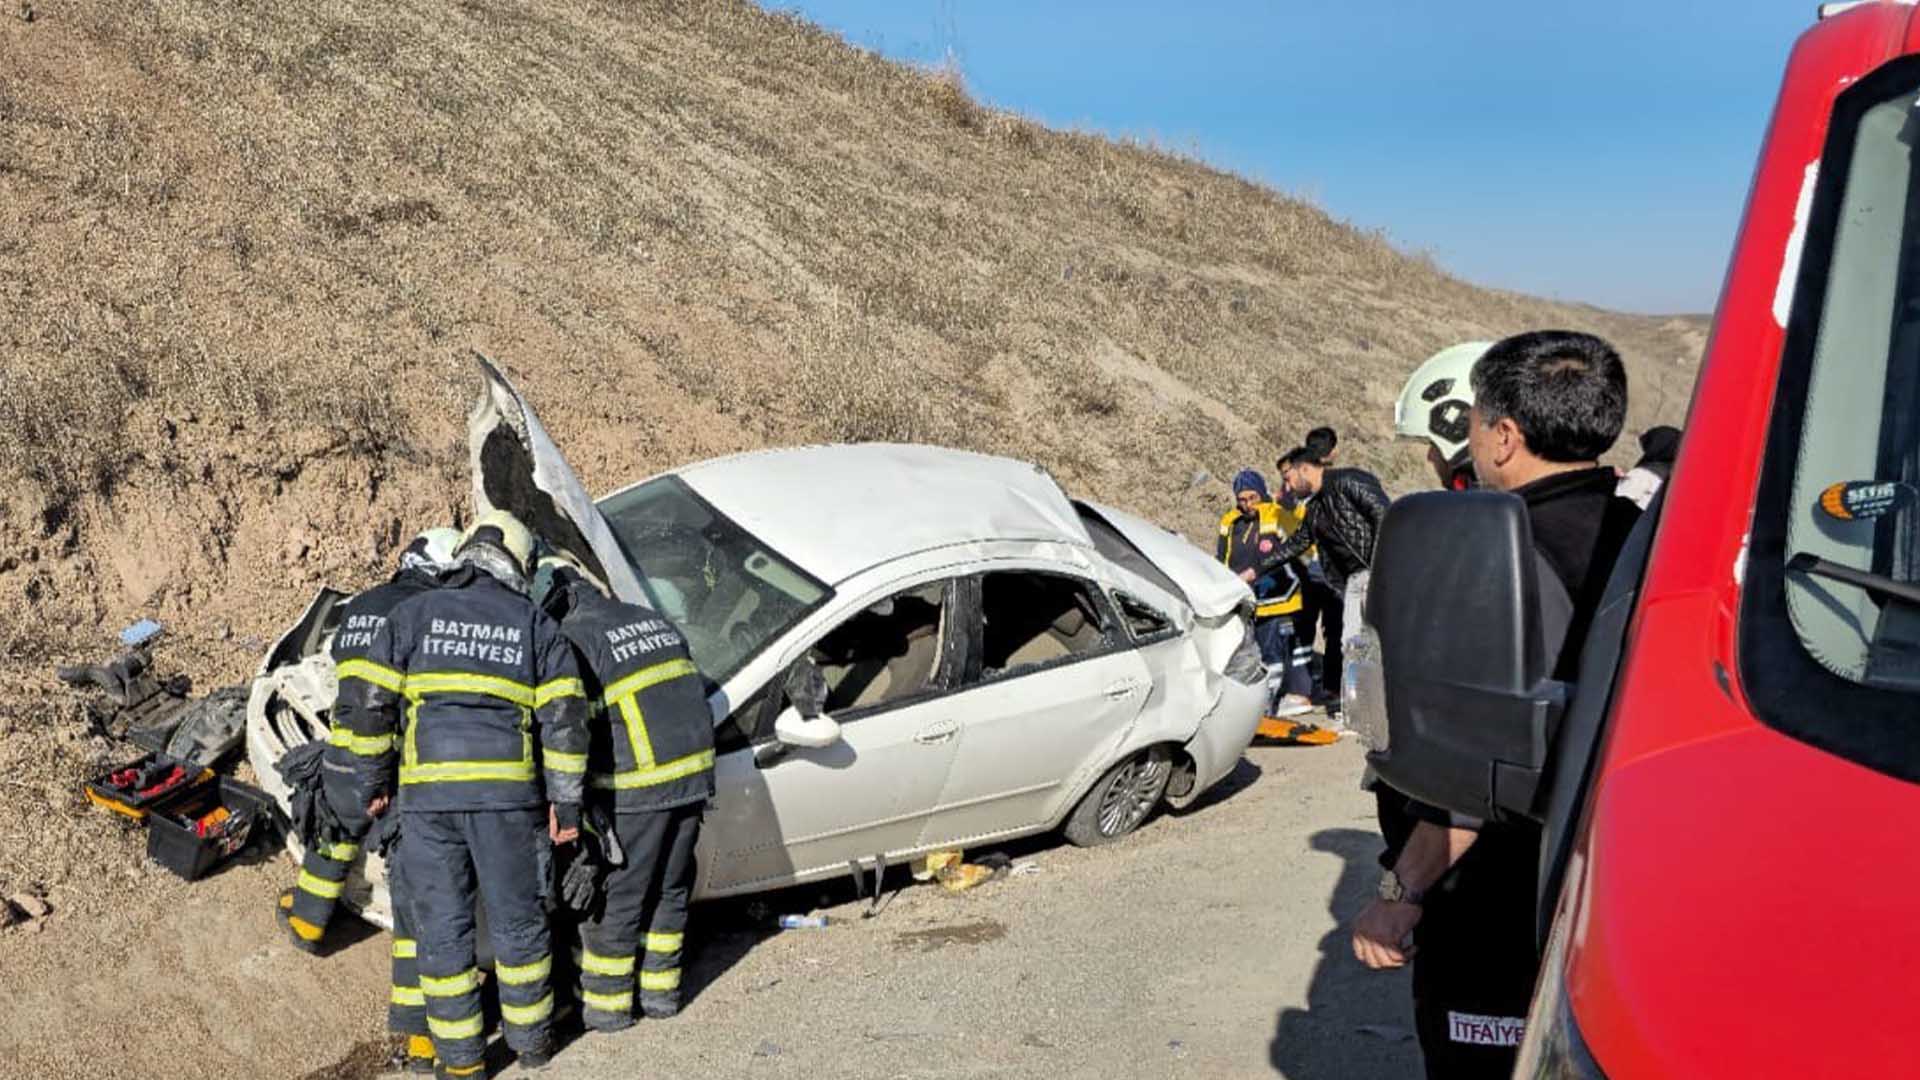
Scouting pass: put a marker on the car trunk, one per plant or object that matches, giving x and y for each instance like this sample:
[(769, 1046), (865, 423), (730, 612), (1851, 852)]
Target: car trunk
[(1209, 588)]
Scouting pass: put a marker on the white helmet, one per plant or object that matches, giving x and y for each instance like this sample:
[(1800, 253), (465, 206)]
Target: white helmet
[(504, 531), (438, 544), (1434, 403)]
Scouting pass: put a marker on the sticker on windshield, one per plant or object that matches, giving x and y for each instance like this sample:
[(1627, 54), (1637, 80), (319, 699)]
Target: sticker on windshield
[(1864, 500)]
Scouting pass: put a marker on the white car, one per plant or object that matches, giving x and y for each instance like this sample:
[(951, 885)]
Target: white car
[(1001, 660)]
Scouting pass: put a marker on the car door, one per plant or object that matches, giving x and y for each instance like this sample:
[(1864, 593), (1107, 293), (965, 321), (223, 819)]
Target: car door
[(1051, 687), (787, 813)]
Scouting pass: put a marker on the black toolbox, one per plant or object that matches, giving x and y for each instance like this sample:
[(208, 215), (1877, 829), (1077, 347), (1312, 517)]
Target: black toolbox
[(204, 826), (120, 790)]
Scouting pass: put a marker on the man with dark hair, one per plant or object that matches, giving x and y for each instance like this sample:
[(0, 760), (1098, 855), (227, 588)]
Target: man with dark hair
[(1320, 605), (1322, 441), (1546, 406), (1344, 510)]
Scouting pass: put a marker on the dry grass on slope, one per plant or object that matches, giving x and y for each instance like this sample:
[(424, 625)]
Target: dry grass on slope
[(245, 247)]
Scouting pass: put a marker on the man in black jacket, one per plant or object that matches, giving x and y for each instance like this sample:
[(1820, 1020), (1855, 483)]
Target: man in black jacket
[(1546, 406), (479, 695), (651, 764), (1344, 510)]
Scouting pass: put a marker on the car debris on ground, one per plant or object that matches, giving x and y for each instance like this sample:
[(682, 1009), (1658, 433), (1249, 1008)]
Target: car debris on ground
[(196, 819)]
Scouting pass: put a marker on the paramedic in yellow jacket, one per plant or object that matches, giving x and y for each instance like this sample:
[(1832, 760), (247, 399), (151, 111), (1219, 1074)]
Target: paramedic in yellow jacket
[(1251, 535)]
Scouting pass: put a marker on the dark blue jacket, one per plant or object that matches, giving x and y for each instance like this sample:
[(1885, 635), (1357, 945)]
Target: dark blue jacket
[(652, 732), (360, 620), (478, 694)]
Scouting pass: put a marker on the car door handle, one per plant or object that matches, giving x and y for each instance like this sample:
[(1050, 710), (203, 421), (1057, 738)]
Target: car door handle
[(936, 733), (1122, 689)]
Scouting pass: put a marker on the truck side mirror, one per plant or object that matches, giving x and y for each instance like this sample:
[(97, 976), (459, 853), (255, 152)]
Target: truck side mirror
[(1468, 623)]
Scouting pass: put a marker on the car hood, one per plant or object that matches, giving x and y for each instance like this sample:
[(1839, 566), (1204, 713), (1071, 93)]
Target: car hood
[(1211, 589), (518, 469)]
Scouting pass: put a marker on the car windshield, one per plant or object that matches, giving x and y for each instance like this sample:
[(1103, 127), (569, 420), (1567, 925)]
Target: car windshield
[(729, 592)]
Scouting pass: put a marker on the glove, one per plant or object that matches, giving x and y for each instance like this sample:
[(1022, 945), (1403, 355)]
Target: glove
[(385, 835), (599, 827), (567, 815), (580, 885)]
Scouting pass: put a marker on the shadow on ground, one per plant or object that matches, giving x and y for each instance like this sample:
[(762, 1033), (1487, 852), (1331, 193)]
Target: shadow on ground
[(1244, 775), (1352, 1014)]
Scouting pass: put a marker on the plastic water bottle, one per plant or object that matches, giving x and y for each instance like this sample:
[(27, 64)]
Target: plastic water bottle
[(802, 922)]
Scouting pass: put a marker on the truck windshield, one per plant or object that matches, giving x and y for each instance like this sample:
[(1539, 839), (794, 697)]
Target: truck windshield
[(730, 593), (1830, 623)]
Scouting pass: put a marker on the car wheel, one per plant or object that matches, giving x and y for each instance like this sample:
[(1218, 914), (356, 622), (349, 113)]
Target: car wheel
[(1121, 799)]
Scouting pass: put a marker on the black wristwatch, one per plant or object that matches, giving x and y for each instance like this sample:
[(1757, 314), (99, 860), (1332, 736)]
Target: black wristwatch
[(1394, 891)]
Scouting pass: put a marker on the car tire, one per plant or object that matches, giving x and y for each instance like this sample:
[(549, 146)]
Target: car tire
[(1122, 799)]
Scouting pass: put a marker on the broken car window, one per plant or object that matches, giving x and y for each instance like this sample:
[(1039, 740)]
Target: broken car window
[(889, 652), (1142, 618), (1032, 619)]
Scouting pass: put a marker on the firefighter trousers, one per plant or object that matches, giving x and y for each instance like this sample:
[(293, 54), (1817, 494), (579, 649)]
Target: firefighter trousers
[(644, 912), (406, 1005), (1474, 973), (502, 858), (323, 876)]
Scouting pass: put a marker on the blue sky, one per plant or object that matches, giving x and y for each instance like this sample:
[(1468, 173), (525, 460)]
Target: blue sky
[(1595, 151)]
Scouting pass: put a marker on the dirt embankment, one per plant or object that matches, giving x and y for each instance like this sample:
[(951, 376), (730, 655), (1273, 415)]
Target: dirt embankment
[(244, 250)]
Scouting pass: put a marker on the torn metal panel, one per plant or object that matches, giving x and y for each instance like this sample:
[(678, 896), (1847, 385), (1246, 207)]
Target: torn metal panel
[(518, 469), (1211, 588)]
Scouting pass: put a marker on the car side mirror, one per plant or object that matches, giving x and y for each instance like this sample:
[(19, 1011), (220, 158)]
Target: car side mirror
[(806, 688), (791, 729), (1468, 621)]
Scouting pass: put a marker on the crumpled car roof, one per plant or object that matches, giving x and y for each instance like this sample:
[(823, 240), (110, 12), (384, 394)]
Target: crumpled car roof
[(839, 510)]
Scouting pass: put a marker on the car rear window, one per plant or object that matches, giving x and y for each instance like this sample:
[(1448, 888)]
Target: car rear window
[(1119, 550), (1830, 629)]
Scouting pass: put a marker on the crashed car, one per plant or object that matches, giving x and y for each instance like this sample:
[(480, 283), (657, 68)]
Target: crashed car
[(1000, 660)]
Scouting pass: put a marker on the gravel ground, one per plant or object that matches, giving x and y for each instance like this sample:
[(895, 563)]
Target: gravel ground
[(1207, 945)]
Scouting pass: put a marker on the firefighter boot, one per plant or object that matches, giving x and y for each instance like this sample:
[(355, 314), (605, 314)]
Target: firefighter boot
[(304, 935), (419, 1055)]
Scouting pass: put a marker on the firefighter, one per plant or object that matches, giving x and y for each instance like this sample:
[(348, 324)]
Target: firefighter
[(307, 908), (1547, 406), (492, 746), (1433, 407), (651, 767)]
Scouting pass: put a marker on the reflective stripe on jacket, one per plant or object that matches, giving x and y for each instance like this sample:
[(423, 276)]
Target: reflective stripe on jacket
[(479, 694), (652, 731), (1253, 544), (343, 776)]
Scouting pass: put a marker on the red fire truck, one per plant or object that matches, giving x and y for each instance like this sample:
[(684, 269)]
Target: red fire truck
[(1730, 790)]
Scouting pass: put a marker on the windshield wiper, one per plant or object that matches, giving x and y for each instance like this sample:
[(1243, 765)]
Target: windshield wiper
[(1878, 585)]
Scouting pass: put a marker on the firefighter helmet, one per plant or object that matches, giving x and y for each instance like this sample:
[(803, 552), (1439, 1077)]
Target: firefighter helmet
[(1434, 403)]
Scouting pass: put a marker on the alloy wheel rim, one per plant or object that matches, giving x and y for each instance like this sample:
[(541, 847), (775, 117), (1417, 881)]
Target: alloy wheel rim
[(1131, 796)]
